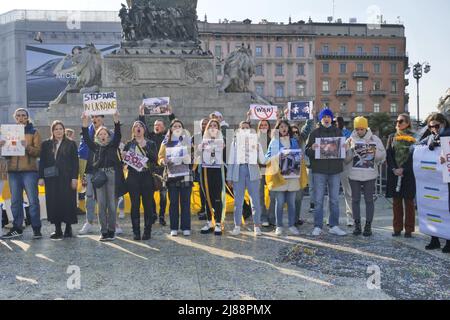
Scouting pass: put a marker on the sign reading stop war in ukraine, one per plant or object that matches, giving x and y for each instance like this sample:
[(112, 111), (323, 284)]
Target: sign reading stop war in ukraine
[(260, 112), (98, 104)]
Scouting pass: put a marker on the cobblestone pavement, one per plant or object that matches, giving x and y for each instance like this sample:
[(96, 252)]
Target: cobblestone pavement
[(208, 267)]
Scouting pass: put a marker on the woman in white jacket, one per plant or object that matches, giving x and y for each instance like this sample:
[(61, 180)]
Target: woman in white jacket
[(366, 152)]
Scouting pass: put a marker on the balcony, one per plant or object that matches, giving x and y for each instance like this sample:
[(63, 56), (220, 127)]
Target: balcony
[(327, 55), (361, 75), (378, 93), (344, 93)]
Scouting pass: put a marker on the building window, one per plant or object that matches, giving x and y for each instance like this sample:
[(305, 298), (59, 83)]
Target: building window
[(301, 69), (259, 70), (394, 87), (377, 85), (343, 68), (325, 67), (360, 67), (377, 68), (359, 86), (343, 107), (279, 90), (301, 90), (259, 51), (359, 107), (394, 108), (392, 51), (343, 85), (343, 49), (268, 49), (300, 51), (376, 51), (279, 52), (259, 88), (219, 69), (325, 49), (279, 70), (376, 108), (218, 51), (360, 50), (325, 86), (393, 68)]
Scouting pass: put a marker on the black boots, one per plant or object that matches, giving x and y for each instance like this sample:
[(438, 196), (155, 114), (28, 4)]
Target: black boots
[(147, 234), (357, 231), (368, 229), (434, 244), (68, 231), (446, 249)]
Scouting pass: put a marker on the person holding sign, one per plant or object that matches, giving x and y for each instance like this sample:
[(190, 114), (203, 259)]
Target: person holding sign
[(108, 174), (366, 152), (326, 172), (23, 176), (438, 127), (140, 180), (401, 183), (175, 156), (58, 172), (243, 173), (212, 171), (280, 156)]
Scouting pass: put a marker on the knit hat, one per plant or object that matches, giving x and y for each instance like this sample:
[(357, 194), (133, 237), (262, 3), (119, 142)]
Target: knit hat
[(326, 112), (361, 123)]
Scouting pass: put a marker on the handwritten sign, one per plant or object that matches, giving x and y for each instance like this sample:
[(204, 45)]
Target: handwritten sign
[(157, 106), (300, 110), (259, 112), (98, 104), (13, 135), (134, 160)]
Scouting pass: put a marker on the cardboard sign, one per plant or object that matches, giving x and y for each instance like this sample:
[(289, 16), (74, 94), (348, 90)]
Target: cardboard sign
[(178, 160), (290, 163), (300, 110), (13, 135), (260, 112), (157, 106), (134, 160), (330, 148), (98, 104)]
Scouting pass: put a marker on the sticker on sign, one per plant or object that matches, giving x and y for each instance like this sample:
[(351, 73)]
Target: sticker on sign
[(260, 112)]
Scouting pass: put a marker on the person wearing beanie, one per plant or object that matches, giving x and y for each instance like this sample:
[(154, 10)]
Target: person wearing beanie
[(326, 172), (365, 153)]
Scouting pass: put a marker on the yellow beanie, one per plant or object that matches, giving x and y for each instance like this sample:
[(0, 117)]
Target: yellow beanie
[(361, 123)]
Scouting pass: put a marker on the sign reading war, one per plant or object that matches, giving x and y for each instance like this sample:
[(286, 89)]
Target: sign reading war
[(98, 104), (259, 112)]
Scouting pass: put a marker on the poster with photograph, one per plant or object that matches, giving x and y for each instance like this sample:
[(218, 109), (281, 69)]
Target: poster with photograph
[(260, 112), (445, 144), (300, 110), (134, 160), (364, 156), (247, 148), (13, 135), (330, 148), (99, 104), (157, 106), (178, 160), (290, 163), (212, 153)]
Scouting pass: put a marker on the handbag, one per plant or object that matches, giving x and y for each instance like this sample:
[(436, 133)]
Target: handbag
[(51, 172), (99, 179)]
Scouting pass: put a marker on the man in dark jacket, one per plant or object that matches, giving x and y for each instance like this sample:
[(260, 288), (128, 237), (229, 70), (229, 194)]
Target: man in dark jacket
[(325, 172)]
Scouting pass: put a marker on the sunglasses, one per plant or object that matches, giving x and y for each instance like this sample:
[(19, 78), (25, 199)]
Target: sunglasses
[(437, 126), (399, 122)]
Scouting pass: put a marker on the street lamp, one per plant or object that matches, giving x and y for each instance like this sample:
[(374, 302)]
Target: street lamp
[(418, 70)]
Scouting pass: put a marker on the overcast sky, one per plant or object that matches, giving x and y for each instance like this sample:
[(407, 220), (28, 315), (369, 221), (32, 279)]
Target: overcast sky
[(427, 26)]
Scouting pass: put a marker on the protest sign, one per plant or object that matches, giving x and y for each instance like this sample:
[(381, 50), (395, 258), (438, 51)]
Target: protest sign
[(364, 156), (98, 104), (157, 106), (178, 160), (134, 160), (445, 144), (330, 148), (300, 110), (212, 153), (247, 148), (13, 135), (260, 112), (290, 163)]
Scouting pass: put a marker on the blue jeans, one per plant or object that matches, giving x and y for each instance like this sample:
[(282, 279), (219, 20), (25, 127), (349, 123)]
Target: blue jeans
[(180, 197), (18, 182), (239, 194), (267, 215), (280, 199), (321, 181)]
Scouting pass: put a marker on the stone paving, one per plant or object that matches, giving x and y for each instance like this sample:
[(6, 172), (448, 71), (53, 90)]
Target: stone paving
[(208, 267)]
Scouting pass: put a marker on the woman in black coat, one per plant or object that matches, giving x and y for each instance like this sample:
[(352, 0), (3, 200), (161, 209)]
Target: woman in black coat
[(58, 171)]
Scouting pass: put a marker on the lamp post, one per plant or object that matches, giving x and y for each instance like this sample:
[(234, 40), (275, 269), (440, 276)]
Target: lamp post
[(418, 70)]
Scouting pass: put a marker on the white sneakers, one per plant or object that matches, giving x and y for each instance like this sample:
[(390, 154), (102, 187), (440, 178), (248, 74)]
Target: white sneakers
[(350, 222), (265, 224), (236, 231), (87, 228), (293, 231), (316, 232), (218, 229), (119, 230), (258, 232), (279, 232), (121, 215), (174, 233), (337, 231), (186, 233)]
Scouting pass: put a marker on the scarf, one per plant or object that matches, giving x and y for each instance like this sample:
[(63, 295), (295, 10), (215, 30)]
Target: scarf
[(403, 140)]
